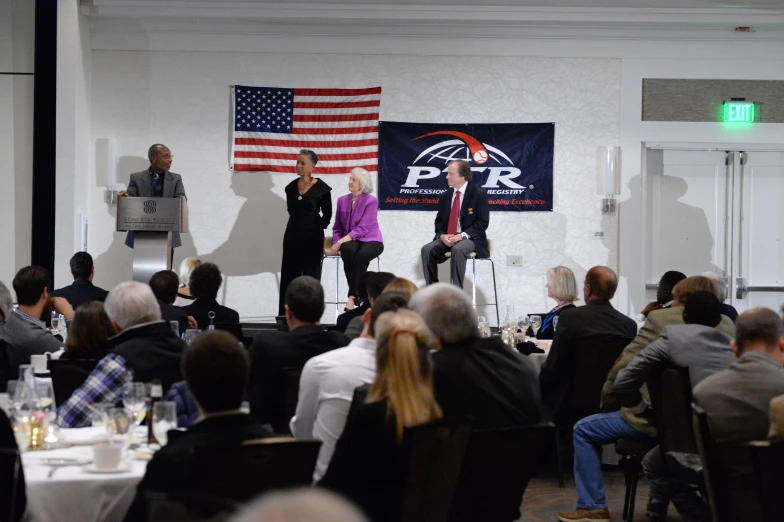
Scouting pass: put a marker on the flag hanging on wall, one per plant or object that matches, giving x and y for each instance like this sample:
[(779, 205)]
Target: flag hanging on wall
[(271, 124)]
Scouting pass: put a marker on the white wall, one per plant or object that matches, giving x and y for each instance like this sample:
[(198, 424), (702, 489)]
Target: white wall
[(17, 27)]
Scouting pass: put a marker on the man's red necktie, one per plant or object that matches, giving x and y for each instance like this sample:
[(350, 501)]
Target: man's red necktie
[(454, 215)]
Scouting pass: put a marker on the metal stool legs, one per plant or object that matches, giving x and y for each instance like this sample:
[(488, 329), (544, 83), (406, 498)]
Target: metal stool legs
[(495, 289), (337, 302)]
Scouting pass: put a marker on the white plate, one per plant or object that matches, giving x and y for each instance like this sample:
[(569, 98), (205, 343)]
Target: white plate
[(124, 468)]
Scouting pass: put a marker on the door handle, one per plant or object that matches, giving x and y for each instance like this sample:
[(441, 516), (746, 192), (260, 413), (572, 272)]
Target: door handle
[(742, 289)]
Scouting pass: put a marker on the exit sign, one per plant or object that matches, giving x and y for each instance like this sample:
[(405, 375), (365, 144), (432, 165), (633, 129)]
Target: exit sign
[(739, 112)]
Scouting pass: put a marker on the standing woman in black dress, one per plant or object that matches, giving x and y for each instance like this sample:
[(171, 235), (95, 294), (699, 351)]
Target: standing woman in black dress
[(310, 210)]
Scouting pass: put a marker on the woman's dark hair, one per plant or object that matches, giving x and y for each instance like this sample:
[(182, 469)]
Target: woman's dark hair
[(89, 331), (312, 156)]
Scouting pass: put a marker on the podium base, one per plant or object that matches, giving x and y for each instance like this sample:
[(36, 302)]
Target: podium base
[(152, 252)]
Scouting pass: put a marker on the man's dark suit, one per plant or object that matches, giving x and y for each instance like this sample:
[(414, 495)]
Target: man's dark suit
[(596, 318), (273, 351), (81, 291), (172, 468), (484, 379), (140, 185), (474, 219), (172, 313), (201, 308)]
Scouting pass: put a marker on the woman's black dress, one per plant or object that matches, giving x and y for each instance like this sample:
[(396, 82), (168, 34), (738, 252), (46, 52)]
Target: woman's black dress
[(303, 241)]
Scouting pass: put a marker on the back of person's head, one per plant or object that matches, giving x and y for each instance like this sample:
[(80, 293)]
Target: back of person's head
[(30, 283), (216, 369), (164, 285), (377, 282), (81, 265), (305, 299), (205, 281), (667, 284), (300, 505), (447, 312), (132, 303), (603, 282), (401, 285), (691, 285), (187, 267), (362, 292), (563, 284), (702, 308), (6, 301), (386, 302), (759, 329), (404, 371), (90, 330), (720, 286)]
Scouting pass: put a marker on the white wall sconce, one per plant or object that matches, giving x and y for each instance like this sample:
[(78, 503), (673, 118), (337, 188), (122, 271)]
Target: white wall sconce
[(106, 167), (608, 170)]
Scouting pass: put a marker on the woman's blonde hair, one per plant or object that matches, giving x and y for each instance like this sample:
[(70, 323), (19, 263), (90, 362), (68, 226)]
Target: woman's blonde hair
[(365, 181), (402, 285), (563, 284), (404, 372), (187, 266)]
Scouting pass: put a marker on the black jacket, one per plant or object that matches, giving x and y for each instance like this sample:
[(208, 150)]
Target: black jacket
[(485, 380), (81, 291), (173, 313), (202, 306), (171, 467), (8, 442), (271, 352), (152, 352), (474, 217), (343, 319)]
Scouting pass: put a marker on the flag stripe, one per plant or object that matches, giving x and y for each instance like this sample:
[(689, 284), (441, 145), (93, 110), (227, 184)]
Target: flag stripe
[(336, 105), (364, 131), (291, 162), (307, 143), (295, 148), (368, 124), (285, 168), (293, 156), (359, 110), (335, 117), (336, 92)]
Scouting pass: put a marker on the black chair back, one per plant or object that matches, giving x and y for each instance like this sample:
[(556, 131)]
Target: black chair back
[(496, 469), (768, 460), (434, 454), (234, 329), (183, 507), (12, 487), (68, 375), (6, 373), (288, 398), (593, 359), (670, 392)]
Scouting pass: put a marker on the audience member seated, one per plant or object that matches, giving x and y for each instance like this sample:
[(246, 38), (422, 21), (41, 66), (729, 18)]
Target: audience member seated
[(368, 466), (736, 400), (187, 411), (561, 287), (164, 286), (362, 304), (274, 351), (205, 282), (88, 336), (328, 380), (188, 265), (144, 349), (8, 442), (474, 377), (375, 287), (300, 505), (597, 317), (664, 295), (24, 330), (6, 302), (82, 290), (216, 371), (721, 289), (704, 350), (401, 285)]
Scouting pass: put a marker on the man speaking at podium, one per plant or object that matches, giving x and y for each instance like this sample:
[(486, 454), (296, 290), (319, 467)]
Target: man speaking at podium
[(156, 182)]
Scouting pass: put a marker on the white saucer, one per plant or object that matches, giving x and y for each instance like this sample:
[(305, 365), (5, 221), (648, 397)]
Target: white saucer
[(58, 462), (123, 468)]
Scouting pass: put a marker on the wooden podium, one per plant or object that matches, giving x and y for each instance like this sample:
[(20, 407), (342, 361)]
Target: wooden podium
[(152, 221)]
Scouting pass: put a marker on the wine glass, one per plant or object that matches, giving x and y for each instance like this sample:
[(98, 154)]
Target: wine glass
[(536, 323), (522, 324), (483, 326), (164, 418), (134, 395)]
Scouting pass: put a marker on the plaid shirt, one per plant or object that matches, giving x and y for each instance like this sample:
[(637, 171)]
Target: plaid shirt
[(104, 384)]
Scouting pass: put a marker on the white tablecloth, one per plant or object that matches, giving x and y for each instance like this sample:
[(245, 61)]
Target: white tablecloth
[(539, 358), (74, 495)]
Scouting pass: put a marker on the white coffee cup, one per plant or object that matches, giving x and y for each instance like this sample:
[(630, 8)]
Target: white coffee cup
[(39, 363), (107, 455)]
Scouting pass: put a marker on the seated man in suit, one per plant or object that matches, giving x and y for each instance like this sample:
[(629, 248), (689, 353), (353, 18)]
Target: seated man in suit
[(736, 400), (274, 351), (474, 377), (205, 282), (216, 370), (82, 289), (375, 286), (461, 221), (664, 295), (358, 310), (164, 285)]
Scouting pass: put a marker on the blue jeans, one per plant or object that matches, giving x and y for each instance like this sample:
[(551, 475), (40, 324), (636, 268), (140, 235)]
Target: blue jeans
[(590, 434)]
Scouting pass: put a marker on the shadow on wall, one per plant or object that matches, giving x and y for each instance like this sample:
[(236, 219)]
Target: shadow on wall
[(684, 243)]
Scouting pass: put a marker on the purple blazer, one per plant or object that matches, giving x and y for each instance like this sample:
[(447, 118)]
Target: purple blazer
[(361, 223)]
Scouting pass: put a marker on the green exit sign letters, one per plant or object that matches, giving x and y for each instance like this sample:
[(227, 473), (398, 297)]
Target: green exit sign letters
[(739, 112)]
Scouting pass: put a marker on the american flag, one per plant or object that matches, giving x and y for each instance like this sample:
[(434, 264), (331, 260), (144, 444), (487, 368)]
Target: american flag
[(272, 124)]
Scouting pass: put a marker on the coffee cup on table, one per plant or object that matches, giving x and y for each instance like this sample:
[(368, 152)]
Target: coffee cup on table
[(40, 362), (107, 456)]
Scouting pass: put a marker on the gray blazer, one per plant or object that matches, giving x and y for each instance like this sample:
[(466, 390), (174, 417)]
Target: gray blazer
[(140, 186), (24, 339)]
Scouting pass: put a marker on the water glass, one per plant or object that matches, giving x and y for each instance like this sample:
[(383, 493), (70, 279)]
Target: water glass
[(175, 326), (164, 418), (483, 326), (134, 397), (536, 323), (191, 335), (55, 322), (99, 413)]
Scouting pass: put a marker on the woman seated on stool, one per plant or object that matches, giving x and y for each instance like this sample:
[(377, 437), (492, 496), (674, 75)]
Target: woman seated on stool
[(88, 336), (562, 287), (356, 234)]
